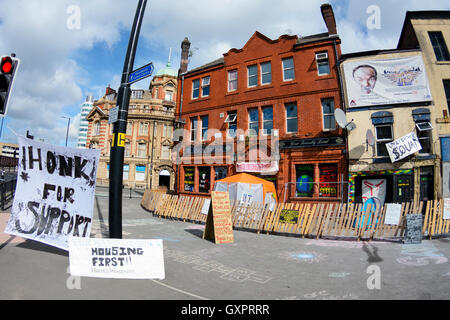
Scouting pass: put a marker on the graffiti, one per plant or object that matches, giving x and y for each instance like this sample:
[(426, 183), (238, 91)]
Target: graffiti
[(308, 257), (421, 255), (338, 274)]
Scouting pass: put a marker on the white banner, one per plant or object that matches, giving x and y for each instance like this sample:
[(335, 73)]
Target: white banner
[(391, 81), (55, 193), (116, 258), (446, 209), (393, 211), (403, 147)]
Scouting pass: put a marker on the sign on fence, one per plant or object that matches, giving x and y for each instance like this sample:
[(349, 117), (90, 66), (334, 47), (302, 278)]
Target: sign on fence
[(393, 211), (413, 232), (55, 191), (219, 226), (289, 216), (446, 208), (116, 258)]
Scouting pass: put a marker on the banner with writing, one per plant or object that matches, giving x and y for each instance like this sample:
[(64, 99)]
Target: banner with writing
[(403, 147), (55, 193), (116, 258)]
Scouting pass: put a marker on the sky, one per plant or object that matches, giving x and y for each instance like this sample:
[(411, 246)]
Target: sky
[(70, 49)]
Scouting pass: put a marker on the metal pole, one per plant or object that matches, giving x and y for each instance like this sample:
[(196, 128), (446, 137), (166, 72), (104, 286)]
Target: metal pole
[(119, 130), (67, 133)]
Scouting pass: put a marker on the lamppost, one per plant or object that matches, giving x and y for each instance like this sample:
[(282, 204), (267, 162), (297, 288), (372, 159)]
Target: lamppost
[(68, 125)]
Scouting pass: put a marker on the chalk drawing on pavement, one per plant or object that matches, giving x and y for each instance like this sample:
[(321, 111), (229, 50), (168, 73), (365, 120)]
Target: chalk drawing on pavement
[(303, 256), (421, 255)]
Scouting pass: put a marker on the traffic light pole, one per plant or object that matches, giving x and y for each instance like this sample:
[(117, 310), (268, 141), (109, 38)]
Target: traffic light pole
[(120, 128)]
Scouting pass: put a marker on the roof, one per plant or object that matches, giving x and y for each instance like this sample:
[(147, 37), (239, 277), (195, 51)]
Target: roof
[(208, 65), (167, 71), (251, 179)]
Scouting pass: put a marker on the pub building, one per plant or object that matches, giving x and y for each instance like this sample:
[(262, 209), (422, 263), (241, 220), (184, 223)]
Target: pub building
[(266, 109)]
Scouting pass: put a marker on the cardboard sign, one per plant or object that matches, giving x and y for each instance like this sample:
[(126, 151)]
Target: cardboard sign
[(393, 211), (289, 216), (413, 232), (219, 226), (55, 192), (116, 258)]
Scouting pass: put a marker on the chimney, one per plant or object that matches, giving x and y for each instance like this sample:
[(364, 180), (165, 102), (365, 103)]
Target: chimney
[(185, 45), (328, 17), (109, 90)]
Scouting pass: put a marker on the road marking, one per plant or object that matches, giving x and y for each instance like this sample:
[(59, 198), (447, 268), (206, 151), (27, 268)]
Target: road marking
[(179, 290)]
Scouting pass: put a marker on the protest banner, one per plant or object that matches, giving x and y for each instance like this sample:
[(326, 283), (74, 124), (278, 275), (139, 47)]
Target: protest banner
[(116, 258), (219, 227), (55, 193), (403, 147), (393, 213)]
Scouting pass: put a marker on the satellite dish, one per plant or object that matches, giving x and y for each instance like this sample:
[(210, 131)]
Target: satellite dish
[(340, 117), (370, 139), (341, 120)]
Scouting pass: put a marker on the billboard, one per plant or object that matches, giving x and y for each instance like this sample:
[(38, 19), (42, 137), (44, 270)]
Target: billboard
[(388, 81)]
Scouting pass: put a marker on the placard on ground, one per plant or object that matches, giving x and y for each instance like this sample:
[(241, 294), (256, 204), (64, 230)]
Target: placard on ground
[(219, 225)]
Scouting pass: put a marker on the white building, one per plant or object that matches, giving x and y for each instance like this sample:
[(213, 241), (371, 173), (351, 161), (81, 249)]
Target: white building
[(82, 131)]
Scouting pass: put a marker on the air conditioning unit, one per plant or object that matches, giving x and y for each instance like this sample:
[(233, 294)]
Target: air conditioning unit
[(321, 56)]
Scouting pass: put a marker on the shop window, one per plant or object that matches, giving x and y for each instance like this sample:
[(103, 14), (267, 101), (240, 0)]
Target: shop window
[(426, 183), (220, 173), (304, 186), (140, 173), (328, 186), (126, 169), (189, 179), (204, 181)]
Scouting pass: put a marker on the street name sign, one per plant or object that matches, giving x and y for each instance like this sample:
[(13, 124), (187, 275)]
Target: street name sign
[(141, 73)]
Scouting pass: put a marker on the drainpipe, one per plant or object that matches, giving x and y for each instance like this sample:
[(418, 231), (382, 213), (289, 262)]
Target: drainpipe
[(177, 177), (151, 161)]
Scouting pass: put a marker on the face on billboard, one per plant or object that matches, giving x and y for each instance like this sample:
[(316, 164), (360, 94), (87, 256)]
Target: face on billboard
[(366, 77)]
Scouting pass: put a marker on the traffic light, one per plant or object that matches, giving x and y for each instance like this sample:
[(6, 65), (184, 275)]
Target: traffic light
[(8, 68)]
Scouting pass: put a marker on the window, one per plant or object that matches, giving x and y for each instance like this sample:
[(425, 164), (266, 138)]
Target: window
[(205, 86), (329, 122), (204, 181), (304, 186), (232, 123), (288, 69), (383, 136), (266, 73), (195, 88), (323, 66), (232, 80), (167, 131), (204, 128), (127, 149), (143, 128), (424, 134), (189, 179), (439, 46), (267, 120), (169, 96), (142, 150), (328, 186), (126, 169), (137, 94), (220, 173), (193, 129), (253, 121), (96, 128), (252, 75), (129, 128), (165, 152), (140, 173), (447, 92), (291, 117)]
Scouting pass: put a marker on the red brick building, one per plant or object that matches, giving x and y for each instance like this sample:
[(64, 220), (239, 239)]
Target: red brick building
[(275, 95)]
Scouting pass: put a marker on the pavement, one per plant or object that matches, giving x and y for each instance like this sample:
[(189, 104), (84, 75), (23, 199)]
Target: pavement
[(254, 267)]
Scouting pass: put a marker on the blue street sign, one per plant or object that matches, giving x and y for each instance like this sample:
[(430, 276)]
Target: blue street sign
[(141, 73)]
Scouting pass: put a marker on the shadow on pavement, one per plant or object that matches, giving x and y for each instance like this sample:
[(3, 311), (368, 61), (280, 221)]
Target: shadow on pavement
[(38, 246), (195, 232)]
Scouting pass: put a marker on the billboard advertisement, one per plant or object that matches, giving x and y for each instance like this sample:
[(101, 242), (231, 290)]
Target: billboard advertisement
[(388, 81)]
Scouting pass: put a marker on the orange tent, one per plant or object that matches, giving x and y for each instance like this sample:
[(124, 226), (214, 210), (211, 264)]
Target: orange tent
[(268, 187)]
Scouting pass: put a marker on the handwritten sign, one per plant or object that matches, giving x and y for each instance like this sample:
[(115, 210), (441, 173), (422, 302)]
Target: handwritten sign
[(219, 226), (413, 232), (392, 213), (55, 192), (289, 216), (116, 258), (403, 147)]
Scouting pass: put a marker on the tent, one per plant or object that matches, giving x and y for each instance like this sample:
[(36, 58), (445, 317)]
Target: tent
[(248, 188)]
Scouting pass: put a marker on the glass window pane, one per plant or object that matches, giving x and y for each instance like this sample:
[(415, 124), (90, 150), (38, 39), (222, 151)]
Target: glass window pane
[(252, 75), (323, 67), (384, 132), (292, 125), (253, 115), (267, 113), (304, 186), (291, 110)]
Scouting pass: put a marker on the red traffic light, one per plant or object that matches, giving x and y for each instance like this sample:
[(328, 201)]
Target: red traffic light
[(7, 65)]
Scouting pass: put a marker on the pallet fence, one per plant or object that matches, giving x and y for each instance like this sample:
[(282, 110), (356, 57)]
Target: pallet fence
[(316, 220)]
